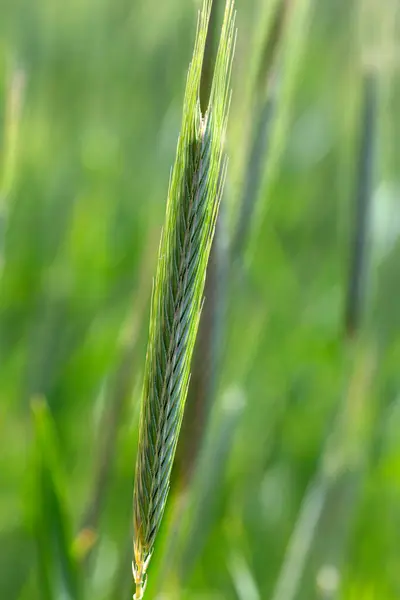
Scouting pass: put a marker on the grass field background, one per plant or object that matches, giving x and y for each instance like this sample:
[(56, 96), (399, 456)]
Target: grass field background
[(287, 482)]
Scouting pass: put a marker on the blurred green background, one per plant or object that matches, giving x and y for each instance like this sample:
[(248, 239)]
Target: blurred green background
[(287, 480)]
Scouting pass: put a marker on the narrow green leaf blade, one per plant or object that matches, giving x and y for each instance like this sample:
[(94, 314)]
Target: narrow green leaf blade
[(58, 570)]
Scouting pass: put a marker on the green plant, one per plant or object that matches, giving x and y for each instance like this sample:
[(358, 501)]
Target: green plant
[(14, 99), (193, 200), (58, 570)]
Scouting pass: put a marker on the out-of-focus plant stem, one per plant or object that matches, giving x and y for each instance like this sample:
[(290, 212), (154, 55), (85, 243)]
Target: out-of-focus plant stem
[(264, 100), (323, 523), (8, 156), (358, 260), (343, 460), (355, 428), (59, 572), (118, 392), (290, 52)]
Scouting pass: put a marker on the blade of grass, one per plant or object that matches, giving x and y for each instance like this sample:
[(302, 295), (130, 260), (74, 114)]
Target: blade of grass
[(14, 100), (292, 49), (243, 580), (190, 533), (343, 460), (60, 578), (359, 257), (265, 93), (344, 493), (118, 393), (345, 451)]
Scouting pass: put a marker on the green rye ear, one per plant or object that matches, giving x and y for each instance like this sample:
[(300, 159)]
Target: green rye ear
[(194, 195)]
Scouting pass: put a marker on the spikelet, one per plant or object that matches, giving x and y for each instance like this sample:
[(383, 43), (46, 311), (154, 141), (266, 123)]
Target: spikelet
[(194, 195)]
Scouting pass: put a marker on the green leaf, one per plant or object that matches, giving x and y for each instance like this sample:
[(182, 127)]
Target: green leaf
[(58, 569)]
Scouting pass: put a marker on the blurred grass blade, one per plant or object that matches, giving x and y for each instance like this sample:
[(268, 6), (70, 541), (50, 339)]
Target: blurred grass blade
[(59, 573), (342, 461), (243, 580), (289, 61), (295, 560), (265, 94), (210, 52), (345, 466), (212, 465), (359, 257), (259, 144), (14, 99), (118, 391), (319, 529), (195, 510)]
